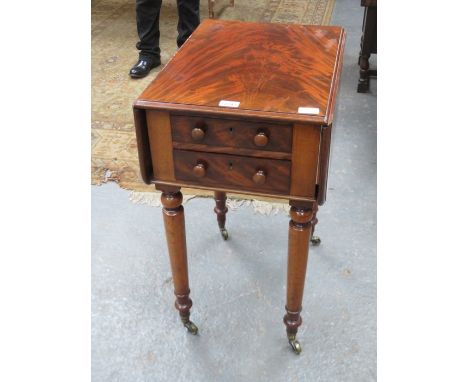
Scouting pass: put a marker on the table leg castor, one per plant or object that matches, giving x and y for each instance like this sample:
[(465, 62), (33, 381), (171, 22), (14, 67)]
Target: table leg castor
[(224, 233), (190, 326), (315, 240), (295, 345)]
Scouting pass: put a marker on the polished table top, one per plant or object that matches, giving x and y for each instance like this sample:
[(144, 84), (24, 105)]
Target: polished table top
[(271, 70)]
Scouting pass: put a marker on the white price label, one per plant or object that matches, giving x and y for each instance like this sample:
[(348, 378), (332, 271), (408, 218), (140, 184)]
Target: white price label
[(308, 110), (225, 103)]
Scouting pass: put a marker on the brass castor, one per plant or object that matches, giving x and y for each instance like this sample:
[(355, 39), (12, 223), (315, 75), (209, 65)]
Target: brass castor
[(190, 326), (295, 345), (315, 240), (224, 233)]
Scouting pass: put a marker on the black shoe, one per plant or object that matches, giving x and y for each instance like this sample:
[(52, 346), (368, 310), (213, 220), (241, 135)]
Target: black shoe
[(144, 66)]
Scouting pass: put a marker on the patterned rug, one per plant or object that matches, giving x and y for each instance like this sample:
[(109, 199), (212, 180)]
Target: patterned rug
[(113, 36)]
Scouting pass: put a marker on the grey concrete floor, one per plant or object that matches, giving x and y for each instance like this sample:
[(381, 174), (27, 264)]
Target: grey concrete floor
[(238, 286)]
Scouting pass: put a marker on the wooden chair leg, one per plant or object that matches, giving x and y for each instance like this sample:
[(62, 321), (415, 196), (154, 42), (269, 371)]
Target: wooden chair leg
[(221, 211), (211, 9), (363, 84), (174, 222), (301, 227), (368, 31), (211, 4)]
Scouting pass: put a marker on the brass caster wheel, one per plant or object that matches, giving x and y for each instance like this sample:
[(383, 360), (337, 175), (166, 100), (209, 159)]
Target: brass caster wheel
[(295, 345), (315, 240), (224, 233), (191, 327)]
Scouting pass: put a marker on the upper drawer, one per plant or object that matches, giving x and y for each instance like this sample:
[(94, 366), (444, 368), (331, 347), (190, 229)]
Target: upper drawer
[(231, 133)]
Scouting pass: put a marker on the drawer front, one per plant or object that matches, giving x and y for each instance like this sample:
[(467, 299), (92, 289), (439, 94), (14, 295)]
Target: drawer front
[(232, 171), (232, 133)]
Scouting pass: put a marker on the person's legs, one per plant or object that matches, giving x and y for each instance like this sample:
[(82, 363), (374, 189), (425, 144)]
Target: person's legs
[(189, 18), (147, 18)]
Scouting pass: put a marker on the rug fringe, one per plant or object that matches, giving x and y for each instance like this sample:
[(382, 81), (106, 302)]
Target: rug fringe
[(261, 207)]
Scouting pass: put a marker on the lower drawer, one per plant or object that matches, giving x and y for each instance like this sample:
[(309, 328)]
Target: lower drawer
[(232, 171)]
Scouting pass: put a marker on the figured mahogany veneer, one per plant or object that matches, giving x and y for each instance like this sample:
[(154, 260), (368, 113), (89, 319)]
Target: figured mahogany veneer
[(245, 108)]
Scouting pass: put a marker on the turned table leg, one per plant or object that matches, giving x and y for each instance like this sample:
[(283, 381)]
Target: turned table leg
[(174, 222), (301, 227), (314, 239), (221, 210)]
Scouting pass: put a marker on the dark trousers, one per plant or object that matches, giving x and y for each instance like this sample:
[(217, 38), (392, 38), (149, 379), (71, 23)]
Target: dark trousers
[(147, 17)]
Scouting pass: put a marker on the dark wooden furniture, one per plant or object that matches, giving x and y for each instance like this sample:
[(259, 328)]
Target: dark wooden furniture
[(368, 44), (211, 4), (245, 108)]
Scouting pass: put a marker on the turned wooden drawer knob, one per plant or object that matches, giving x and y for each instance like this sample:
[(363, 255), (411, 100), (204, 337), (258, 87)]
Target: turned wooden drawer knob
[(199, 170), (261, 139), (259, 177), (198, 133)]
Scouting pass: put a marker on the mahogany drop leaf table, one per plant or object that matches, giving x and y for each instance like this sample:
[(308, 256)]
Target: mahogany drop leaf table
[(245, 108)]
